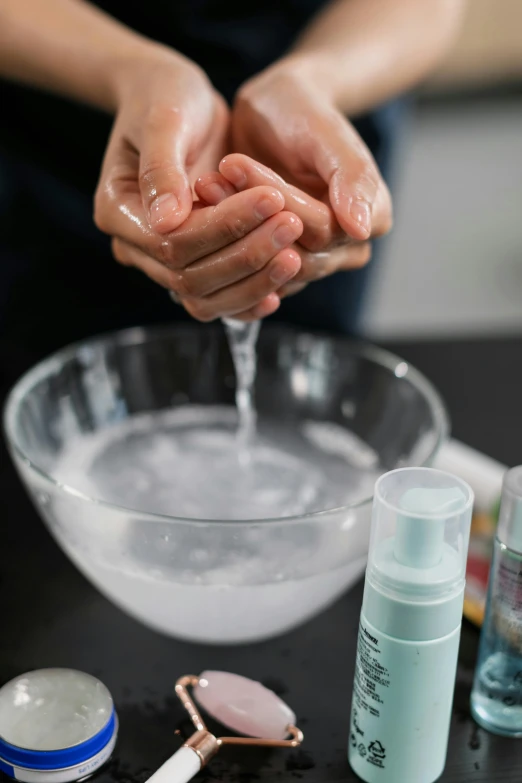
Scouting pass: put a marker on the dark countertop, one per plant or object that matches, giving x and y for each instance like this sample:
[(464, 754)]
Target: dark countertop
[(52, 617)]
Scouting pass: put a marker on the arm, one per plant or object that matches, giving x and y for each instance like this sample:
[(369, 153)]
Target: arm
[(354, 55), (362, 52), (66, 46)]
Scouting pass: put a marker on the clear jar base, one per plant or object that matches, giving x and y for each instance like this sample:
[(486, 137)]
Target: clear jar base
[(486, 721)]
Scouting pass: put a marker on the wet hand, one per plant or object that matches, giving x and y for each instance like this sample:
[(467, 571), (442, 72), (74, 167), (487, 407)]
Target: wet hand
[(220, 260), (324, 247), (224, 260), (282, 121)]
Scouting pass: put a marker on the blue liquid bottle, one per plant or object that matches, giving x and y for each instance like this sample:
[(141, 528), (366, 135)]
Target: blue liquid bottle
[(496, 698)]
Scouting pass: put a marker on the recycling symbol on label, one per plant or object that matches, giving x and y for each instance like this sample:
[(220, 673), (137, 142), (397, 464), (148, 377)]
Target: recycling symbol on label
[(377, 750)]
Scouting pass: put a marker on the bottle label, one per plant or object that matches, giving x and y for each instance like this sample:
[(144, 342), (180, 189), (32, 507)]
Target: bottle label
[(401, 706), (507, 600), (371, 681)]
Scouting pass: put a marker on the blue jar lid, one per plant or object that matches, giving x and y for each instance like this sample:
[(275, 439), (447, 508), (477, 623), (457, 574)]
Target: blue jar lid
[(56, 725)]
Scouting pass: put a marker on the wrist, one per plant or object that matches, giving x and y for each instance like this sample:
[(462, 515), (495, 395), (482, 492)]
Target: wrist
[(309, 71), (138, 59)]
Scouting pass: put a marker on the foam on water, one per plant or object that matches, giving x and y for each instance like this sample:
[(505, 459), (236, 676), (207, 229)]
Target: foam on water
[(185, 463)]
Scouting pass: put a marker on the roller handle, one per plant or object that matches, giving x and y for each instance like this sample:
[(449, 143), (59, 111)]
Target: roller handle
[(180, 768)]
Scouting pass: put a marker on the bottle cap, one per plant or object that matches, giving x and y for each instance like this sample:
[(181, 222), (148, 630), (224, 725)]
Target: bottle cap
[(510, 518), (420, 532), (56, 725)]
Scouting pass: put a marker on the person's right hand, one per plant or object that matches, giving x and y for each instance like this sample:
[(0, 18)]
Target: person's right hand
[(220, 260)]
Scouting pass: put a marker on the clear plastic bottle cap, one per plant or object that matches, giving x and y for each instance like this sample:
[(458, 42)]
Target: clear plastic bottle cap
[(420, 533), (509, 531)]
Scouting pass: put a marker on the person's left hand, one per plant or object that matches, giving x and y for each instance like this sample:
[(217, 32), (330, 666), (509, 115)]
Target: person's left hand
[(332, 252), (324, 248), (282, 120)]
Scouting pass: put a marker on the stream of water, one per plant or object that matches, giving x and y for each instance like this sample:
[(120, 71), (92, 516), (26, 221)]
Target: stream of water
[(242, 340)]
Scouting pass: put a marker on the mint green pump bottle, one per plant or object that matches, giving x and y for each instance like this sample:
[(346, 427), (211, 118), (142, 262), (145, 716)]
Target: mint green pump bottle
[(410, 627)]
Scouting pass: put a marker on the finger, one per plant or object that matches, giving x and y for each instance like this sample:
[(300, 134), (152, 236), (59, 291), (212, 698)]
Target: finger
[(213, 188), (321, 226), (205, 231), (266, 307), (354, 257), (130, 255), (315, 266), (382, 214), (164, 183), (210, 229), (319, 232), (240, 259), (117, 202), (290, 289), (249, 292), (346, 164)]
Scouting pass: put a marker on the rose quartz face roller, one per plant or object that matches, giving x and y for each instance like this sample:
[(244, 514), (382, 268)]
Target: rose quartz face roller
[(243, 705)]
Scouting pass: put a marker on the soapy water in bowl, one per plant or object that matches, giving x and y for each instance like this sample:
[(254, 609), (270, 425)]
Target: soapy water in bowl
[(216, 463), (185, 463)]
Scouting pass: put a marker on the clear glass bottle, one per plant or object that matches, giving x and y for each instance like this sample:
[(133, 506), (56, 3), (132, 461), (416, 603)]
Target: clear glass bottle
[(496, 698)]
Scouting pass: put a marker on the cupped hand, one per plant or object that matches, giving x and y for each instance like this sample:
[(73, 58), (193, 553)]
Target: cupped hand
[(220, 260), (282, 120), (324, 248)]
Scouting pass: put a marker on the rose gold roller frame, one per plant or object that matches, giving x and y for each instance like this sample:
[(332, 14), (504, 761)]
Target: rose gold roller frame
[(206, 745)]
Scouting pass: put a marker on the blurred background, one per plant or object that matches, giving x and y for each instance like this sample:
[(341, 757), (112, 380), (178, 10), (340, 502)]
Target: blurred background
[(453, 263)]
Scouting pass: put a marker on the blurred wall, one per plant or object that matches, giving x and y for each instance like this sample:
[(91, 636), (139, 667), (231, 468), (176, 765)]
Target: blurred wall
[(488, 50), (453, 264)]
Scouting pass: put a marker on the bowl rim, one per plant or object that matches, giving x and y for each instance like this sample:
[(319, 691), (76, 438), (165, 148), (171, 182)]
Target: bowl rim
[(138, 335)]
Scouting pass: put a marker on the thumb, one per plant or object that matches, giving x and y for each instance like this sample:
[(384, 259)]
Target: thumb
[(164, 183), (347, 166)]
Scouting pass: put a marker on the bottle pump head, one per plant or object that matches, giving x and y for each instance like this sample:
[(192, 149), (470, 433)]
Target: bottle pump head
[(420, 532), (421, 523)]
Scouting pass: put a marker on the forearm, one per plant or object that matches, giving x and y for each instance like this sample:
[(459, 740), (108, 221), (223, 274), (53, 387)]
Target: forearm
[(363, 52), (66, 46)]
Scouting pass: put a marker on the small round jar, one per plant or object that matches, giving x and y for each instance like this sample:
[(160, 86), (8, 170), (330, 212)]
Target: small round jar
[(56, 725)]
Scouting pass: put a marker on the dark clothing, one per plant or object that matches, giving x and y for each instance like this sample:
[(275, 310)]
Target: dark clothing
[(57, 279)]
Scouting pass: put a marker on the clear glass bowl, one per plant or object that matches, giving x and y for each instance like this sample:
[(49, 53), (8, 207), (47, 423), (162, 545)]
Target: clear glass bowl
[(216, 581)]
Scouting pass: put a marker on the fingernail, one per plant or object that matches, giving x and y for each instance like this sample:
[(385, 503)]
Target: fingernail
[(268, 306), (214, 193), (362, 214), (280, 273), (236, 176), (162, 207), (283, 236), (265, 208)]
